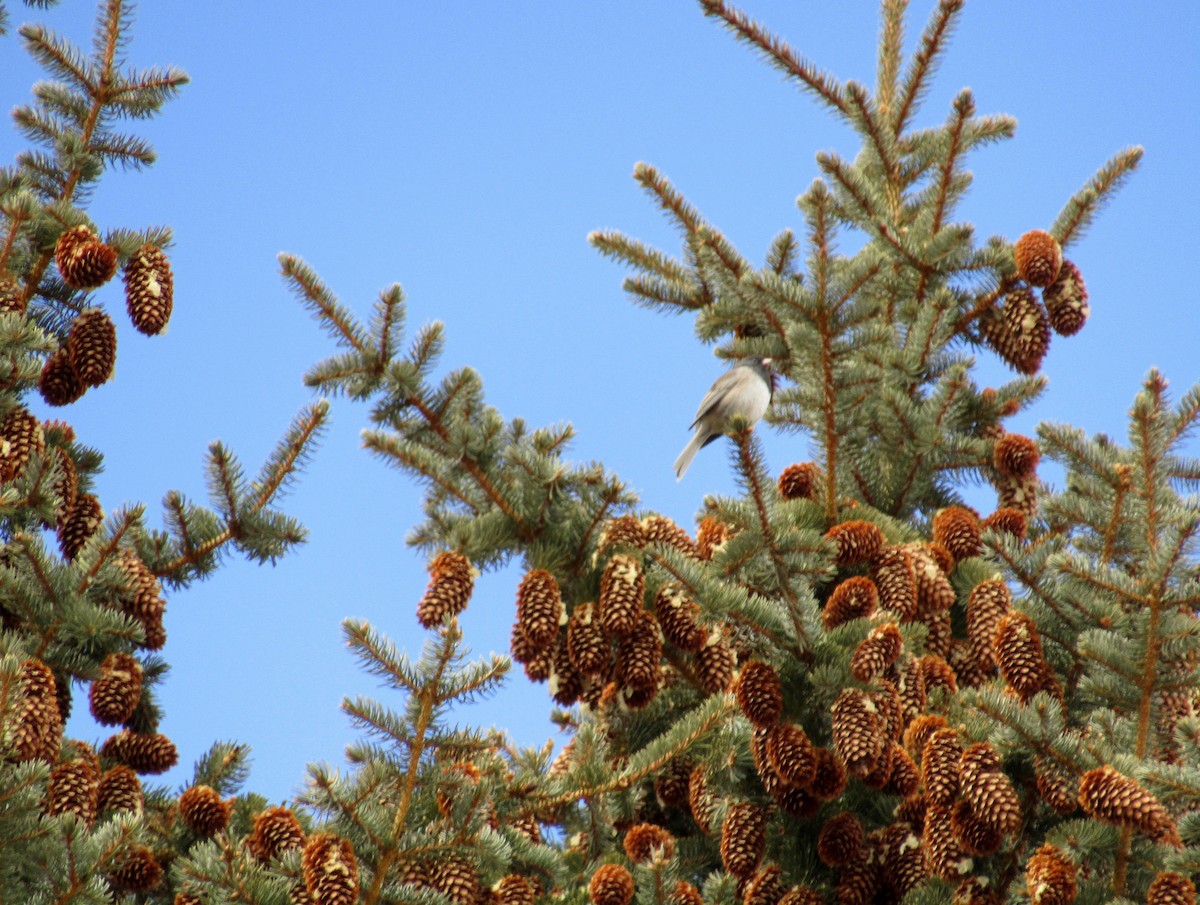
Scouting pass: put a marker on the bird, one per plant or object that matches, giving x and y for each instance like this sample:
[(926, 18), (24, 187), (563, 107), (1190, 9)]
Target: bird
[(745, 389)]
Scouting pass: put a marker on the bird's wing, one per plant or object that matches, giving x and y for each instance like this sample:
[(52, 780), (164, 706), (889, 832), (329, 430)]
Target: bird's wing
[(716, 392)]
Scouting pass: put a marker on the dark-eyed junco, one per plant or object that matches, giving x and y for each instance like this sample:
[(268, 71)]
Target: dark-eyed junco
[(745, 389)]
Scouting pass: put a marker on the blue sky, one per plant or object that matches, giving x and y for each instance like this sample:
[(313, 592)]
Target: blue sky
[(465, 151)]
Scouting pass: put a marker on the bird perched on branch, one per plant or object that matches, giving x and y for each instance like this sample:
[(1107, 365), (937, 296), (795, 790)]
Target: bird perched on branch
[(745, 389)]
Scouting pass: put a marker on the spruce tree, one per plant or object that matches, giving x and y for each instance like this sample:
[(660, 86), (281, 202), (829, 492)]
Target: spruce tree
[(844, 685)]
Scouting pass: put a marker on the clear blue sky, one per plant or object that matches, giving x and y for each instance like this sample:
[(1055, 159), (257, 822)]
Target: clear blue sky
[(466, 150)]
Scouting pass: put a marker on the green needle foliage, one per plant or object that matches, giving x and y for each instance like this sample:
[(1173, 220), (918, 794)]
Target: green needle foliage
[(844, 685)]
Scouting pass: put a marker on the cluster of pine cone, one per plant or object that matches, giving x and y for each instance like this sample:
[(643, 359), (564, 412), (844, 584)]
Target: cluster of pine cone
[(1019, 328)]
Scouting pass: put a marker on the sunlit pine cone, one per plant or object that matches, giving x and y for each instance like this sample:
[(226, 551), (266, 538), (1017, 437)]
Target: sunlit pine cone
[(648, 841), (759, 693), (700, 800), (536, 660), (623, 532), (663, 531), (976, 836), (791, 754), (565, 681), (911, 685), (879, 650), (890, 707), (146, 754), (1038, 257), (1020, 494), (203, 810), (988, 790), (539, 607), (671, 784), (120, 790), (66, 485), (639, 653), (1110, 797), (764, 888), (855, 598), (970, 671), (622, 587), (711, 536), (919, 730), (799, 481), (1008, 521), (73, 789), (679, 618), (93, 347), (941, 766), (137, 870), (796, 801), (857, 734), (451, 580), (829, 777), (115, 693), (935, 593), (743, 839), (940, 636), (857, 541), (611, 884), (21, 436), (149, 290), (1019, 331), (1066, 301), (1050, 877), (1015, 456), (684, 893), (331, 871), (957, 529), (860, 882), (513, 889), (275, 831), (901, 857), (1018, 651), (1170, 888), (38, 726), (937, 673), (586, 641), (143, 600), (905, 777), (83, 261), (80, 524), (894, 574), (988, 603), (1057, 786), (840, 840), (714, 667), (12, 298), (881, 771), (944, 856), (58, 383)]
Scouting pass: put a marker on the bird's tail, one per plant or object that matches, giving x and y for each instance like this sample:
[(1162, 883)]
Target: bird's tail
[(689, 453)]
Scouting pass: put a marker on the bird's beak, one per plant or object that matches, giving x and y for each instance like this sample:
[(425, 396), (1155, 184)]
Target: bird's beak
[(766, 362)]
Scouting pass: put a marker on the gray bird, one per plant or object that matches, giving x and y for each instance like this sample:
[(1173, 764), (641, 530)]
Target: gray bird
[(745, 389)]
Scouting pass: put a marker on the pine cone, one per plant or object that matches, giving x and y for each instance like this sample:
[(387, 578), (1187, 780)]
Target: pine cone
[(791, 754), (671, 784), (854, 598), (891, 709), (1066, 301), (149, 290), (37, 733), (152, 754), (743, 839), (143, 600), (625, 532), (1038, 257), (829, 778), (988, 790), (115, 694), (1050, 877), (514, 889), (906, 775), (957, 529), (764, 888), (12, 298), (857, 541), (648, 841), (714, 667), (895, 576), (919, 730), (700, 800), (840, 839), (1009, 521), (940, 766), (611, 885), (565, 681), (451, 580), (58, 383), (856, 731), (711, 536), (331, 871), (977, 836), (1109, 797), (120, 790), (759, 693), (1057, 786), (1015, 456), (275, 831), (679, 618), (83, 261), (1019, 331), (539, 607), (92, 345), (937, 673), (203, 811), (73, 789), (622, 587), (935, 593), (911, 686), (860, 882), (66, 485), (799, 482), (879, 650), (1170, 888), (137, 870), (684, 893), (902, 860), (81, 523), (944, 855), (21, 436), (664, 532), (1018, 652), (586, 642), (989, 602), (639, 653)]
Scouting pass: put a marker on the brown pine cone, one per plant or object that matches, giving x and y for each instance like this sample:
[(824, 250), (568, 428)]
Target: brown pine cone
[(83, 261), (988, 790), (21, 436), (587, 644), (58, 382), (989, 602), (700, 800), (137, 870), (764, 888), (1109, 797), (539, 607), (149, 290), (743, 839), (944, 856), (147, 754), (711, 536), (714, 667), (80, 524), (854, 598), (1015, 456), (1038, 257), (639, 654), (671, 784), (1018, 651), (625, 532), (513, 889), (120, 790), (840, 839), (203, 810), (829, 778), (1009, 521), (857, 541), (879, 650), (331, 871), (92, 345), (1050, 877), (791, 754), (895, 576), (116, 693), (857, 733), (611, 884), (1170, 888), (648, 841), (799, 481), (622, 587), (759, 693), (680, 619), (940, 766), (664, 532), (976, 835), (73, 789), (12, 298), (1066, 301), (1019, 331), (451, 580), (275, 831), (957, 529)]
